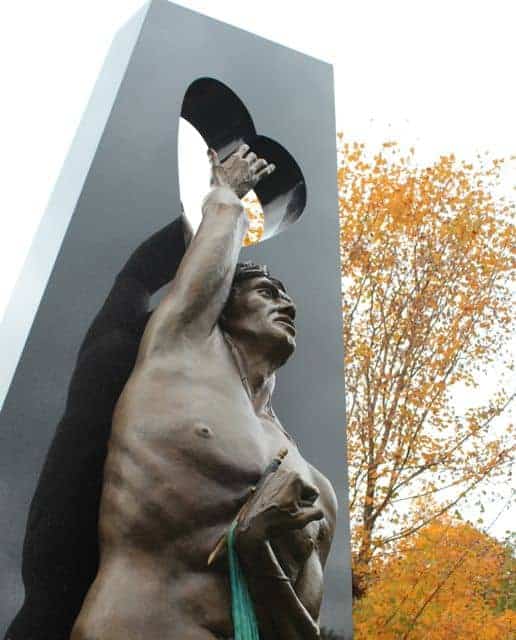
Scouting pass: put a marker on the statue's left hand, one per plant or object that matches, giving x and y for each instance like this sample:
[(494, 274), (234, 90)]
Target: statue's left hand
[(241, 172), (284, 502)]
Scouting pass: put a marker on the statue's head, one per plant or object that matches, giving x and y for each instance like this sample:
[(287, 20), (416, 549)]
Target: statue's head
[(260, 311)]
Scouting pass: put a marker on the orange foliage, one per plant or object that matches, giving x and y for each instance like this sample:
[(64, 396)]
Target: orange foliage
[(254, 213), (445, 582), (428, 254)]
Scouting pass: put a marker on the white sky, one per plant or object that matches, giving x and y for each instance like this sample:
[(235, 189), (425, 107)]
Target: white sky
[(437, 74)]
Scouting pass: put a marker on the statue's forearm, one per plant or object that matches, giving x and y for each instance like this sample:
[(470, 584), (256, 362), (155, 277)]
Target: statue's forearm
[(274, 595), (206, 271), (203, 279)]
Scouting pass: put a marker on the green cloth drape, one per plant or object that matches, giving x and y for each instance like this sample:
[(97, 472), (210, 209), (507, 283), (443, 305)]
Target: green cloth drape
[(245, 626)]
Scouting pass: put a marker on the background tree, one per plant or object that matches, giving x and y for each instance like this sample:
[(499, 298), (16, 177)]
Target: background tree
[(256, 219), (446, 581), (428, 254)]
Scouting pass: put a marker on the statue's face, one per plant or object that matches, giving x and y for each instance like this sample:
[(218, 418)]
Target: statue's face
[(260, 310)]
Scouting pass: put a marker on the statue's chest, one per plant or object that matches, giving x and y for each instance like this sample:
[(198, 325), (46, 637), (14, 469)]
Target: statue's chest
[(209, 460), (228, 446), (200, 418)]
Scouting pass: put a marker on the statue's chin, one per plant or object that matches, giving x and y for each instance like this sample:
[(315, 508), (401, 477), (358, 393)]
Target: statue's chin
[(284, 347), (277, 344)]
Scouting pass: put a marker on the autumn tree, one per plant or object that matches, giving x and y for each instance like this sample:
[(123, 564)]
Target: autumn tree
[(507, 595), (444, 582), (427, 254), (256, 219)]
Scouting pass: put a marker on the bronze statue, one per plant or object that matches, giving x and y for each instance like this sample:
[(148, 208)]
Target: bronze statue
[(191, 435)]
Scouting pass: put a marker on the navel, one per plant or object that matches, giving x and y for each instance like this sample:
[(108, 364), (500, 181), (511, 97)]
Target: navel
[(203, 430)]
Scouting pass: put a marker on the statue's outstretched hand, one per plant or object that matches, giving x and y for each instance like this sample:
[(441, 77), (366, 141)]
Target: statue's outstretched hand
[(241, 172), (285, 501)]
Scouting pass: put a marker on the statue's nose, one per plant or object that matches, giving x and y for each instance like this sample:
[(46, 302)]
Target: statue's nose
[(288, 308)]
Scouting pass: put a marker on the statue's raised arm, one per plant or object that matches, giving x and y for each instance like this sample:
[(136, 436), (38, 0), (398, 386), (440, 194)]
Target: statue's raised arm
[(201, 286)]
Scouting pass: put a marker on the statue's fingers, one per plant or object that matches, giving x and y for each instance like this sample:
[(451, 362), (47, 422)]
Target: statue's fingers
[(288, 492), (307, 515), (251, 157), (258, 165), (308, 494), (270, 168), (242, 150), (213, 158)]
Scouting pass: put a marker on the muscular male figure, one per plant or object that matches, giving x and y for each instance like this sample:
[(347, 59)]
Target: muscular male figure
[(192, 433)]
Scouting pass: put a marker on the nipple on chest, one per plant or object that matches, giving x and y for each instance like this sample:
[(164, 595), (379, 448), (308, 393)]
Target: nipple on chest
[(203, 430)]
